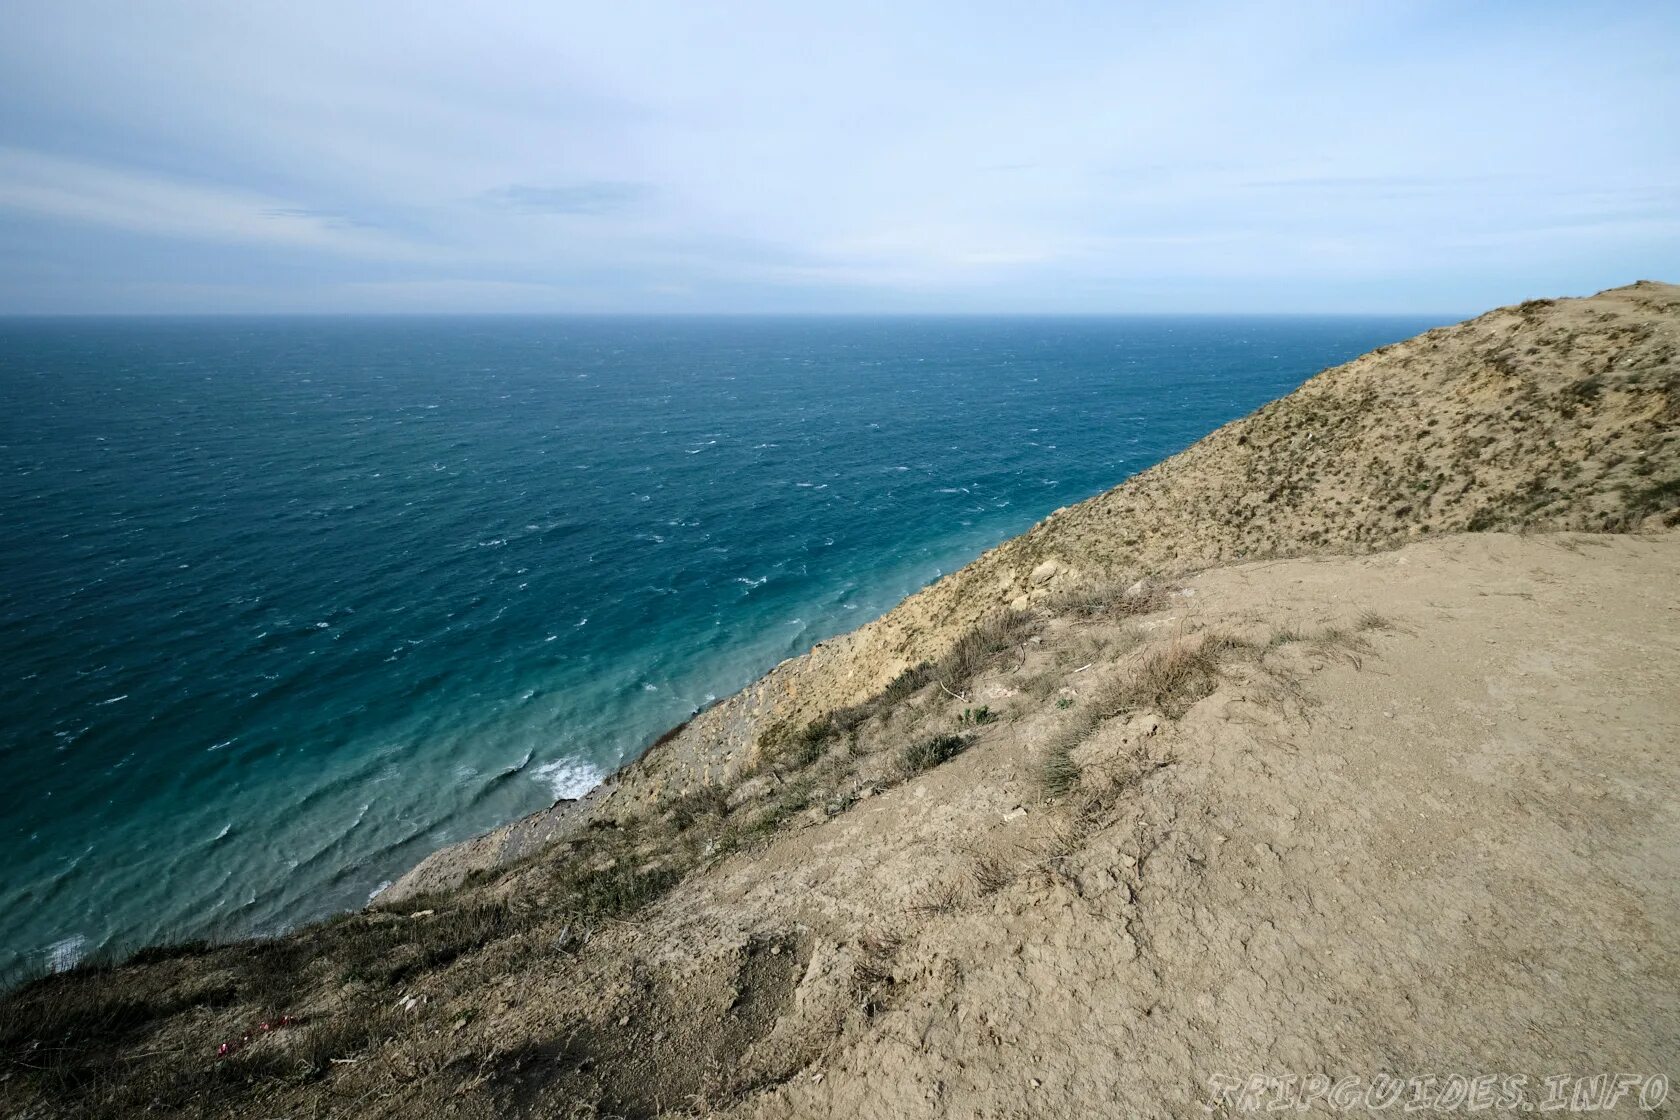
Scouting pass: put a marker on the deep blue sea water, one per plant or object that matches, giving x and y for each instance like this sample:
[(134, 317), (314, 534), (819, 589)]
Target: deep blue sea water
[(285, 604)]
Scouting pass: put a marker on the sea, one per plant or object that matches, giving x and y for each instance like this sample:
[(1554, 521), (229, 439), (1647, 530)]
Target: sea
[(288, 603)]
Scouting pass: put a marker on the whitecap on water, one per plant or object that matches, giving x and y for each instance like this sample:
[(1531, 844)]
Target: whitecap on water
[(66, 954), (567, 777)]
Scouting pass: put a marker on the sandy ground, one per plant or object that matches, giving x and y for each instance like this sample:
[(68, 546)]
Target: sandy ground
[(1458, 851)]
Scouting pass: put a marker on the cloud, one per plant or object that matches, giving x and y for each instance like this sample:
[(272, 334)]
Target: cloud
[(1214, 155), (577, 198), (136, 202), (333, 218)]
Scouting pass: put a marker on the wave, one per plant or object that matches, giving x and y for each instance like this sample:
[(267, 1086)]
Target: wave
[(65, 954), (568, 778)]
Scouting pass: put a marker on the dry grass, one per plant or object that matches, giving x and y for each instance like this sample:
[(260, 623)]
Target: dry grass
[(789, 747), (1058, 774), (705, 801), (988, 873), (1170, 679), (925, 754), (979, 648), (936, 901), (1109, 601)]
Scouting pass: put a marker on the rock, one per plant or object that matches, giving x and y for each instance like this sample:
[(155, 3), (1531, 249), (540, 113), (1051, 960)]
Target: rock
[(1045, 572)]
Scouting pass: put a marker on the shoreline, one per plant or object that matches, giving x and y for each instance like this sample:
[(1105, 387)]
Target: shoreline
[(721, 742)]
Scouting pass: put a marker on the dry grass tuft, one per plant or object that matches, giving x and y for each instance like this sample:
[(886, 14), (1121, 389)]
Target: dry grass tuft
[(1109, 601), (707, 800), (936, 901), (989, 874), (1059, 774), (1172, 678), (928, 753), (980, 647)]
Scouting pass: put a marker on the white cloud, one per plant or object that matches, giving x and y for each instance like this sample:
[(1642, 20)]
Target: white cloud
[(134, 202)]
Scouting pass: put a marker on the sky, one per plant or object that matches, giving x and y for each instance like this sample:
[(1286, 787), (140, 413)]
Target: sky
[(858, 157)]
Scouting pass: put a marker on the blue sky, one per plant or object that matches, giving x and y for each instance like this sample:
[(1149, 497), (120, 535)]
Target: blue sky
[(170, 156)]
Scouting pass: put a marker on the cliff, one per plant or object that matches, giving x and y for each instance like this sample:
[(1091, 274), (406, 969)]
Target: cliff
[(1341, 743), (1555, 414)]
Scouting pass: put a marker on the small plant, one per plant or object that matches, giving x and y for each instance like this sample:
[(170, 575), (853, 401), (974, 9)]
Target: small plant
[(937, 901), (706, 800), (989, 874), (1064, 703), (977, 717), (905, 685), (1110, 601), (1371, 620), (1171, 680), (979, 647), (1059, 774), (929, 753), (784, 746)]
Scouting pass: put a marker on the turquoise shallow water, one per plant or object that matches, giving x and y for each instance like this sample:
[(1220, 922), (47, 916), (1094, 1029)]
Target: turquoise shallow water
[(288, 603)]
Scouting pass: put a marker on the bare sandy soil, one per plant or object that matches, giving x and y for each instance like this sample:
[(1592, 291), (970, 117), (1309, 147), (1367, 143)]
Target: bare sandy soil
[(1456, 849)]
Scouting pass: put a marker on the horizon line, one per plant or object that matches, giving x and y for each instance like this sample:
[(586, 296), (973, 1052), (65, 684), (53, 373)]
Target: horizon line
[(14, 316)]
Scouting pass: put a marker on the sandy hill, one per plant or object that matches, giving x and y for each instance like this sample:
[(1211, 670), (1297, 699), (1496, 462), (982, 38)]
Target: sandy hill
[(1134, 801)]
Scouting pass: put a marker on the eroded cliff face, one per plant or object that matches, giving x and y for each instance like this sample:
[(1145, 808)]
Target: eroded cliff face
[(1555, 414)]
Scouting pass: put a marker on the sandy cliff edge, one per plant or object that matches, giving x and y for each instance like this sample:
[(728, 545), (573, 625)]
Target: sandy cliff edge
[(1555, 414)]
